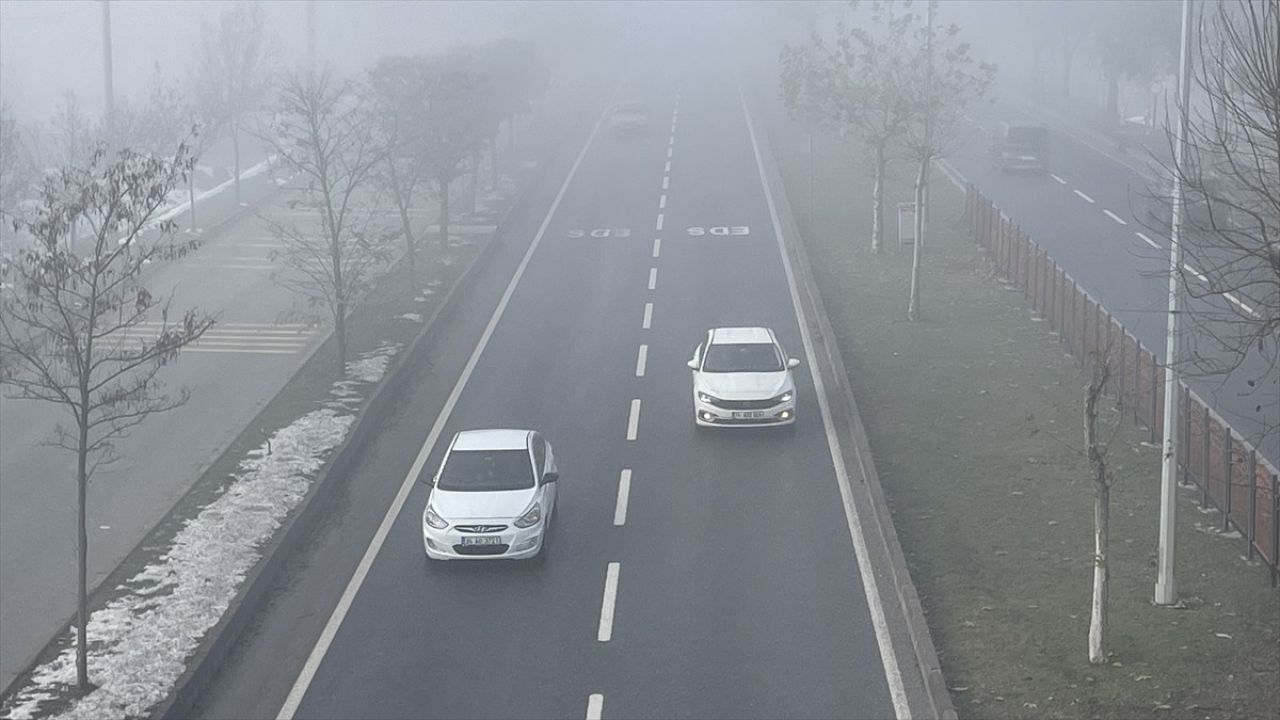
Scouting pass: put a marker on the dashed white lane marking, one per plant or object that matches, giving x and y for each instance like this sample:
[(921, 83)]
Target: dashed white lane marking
[(1242, 304), (1057, 179), (624, 493), (660, 218), (667, 167), (653, 278), (671, 140), (1084, 197), (666, 182), (648, 316), (668, 152), (605, 633), (633, 420), (1199, 275), (870, 586), (1114, 216), (662, 201), (299, 689), (641, 358), (595, 705), (657, 246), (1148, 240)]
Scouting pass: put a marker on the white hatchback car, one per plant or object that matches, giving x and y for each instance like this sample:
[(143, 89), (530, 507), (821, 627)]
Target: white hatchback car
[(493, 498), (741, 376)]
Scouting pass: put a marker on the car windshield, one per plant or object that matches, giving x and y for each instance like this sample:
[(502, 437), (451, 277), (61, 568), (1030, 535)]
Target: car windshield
[(742, 357), (486, 470), (629, 109), (1028, 136)]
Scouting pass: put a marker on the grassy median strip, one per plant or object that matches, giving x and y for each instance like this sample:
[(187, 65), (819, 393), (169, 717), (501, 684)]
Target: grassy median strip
[(975, 420)]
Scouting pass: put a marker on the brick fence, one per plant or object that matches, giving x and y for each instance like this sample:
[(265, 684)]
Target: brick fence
[(1230, 475)]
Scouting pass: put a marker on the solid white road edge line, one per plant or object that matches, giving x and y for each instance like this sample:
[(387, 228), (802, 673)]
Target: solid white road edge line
[(641, 358), (605, 633), (595, 706), (633, 419), (1059, 180), (648, 316), (1084, 197), (318, 651), (653, 278), (893, 674), (657, 246), (1114, 216), (624, 494), (1148, 240)]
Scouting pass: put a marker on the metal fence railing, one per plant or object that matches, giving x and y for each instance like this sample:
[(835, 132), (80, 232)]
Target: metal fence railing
[(1229, 473)]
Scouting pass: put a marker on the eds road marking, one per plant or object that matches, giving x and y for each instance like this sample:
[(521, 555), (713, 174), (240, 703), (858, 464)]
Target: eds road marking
[(1084, 197), (318, 651), (648, 316), (1148, 240), (641, 359), (870, 586), (624, 493), (633, 420), (1114, 216), (653, 278), (595, 706), (605, 633)]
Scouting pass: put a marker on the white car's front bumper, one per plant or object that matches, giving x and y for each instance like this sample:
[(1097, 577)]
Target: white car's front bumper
[(741, 414), (513, 543)]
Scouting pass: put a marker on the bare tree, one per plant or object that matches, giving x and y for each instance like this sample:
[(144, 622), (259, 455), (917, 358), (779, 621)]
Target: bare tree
[(856, 83), (945, 79), (454, 123), (73, 327), (1230, 175), (1096, 452), (232, 71), (1134, 40), (320, 131), (517, 79), (16, 174)]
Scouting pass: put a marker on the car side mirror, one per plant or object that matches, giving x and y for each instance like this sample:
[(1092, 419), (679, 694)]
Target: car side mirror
[(550, 477), (793, 363), (693, 364), (428, 480)]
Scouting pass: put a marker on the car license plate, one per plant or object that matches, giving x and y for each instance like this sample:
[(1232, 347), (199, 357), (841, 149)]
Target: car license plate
[(745, 415), (482, 540)]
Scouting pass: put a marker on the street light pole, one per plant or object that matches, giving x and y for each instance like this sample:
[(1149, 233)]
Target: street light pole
[(1166, 589)]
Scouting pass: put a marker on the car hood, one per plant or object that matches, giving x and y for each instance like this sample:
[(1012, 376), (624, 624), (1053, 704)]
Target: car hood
[(456, 506), (744, 385)]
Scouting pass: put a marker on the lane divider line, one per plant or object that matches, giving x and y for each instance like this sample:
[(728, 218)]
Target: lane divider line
[(1242, 304), (653, 278), (648, 316), (669, 151), (666, 182), (595, 706), (1084, 197), (657, 246), (1148, 240), (1057, 179), (299, 690), (662, 201), (624, 494), (667, 167), (671, 140), (1114, 216), (607, 606), (633, 420), (660, 219), (641, 359), (870, 586), (1199, 275)]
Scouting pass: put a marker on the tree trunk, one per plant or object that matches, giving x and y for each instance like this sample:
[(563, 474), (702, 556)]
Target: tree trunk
[(493, 162), (444, 213), (511, 137), (191, 197), (82, 545), (1101, 573), (917, 249), (474, 190), (877, 202), (340, 301), (410, 247), (340, 334), (235, 149), (1113, 94)]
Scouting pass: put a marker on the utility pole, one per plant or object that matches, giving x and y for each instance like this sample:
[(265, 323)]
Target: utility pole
[(106, 69), (1166, 588)]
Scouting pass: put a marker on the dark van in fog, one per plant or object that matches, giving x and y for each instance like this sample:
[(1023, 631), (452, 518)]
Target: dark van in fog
[(1020, 147)]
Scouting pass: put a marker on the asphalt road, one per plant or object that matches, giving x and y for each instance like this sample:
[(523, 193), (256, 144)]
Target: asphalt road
[(737, 590), (1091, 214)]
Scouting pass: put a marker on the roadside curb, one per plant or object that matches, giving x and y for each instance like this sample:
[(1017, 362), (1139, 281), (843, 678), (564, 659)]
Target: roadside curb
[(220, 640), (925, 653)]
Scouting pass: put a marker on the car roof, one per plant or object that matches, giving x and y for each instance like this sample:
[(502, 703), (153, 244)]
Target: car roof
[(741, 335), (495, 439)]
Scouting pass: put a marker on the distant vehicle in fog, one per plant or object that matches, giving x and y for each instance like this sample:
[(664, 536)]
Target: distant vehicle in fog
[(1020, 147), (629, 117)]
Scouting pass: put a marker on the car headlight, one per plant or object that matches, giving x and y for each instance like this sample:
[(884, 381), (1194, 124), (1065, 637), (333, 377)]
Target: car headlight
[(431, 518), (786, 396), (530, 518), (706, 398)]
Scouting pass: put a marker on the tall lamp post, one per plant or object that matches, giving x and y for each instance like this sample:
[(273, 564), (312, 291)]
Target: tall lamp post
[(1166, 589)]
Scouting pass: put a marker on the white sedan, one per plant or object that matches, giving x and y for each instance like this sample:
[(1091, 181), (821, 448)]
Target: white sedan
[(493, 498), (741, 376)]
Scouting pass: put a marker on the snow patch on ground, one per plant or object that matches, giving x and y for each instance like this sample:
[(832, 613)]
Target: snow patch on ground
[(140, 643)]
